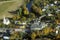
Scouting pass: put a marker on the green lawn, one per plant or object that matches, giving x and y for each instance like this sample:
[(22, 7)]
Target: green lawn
[(4, 0), (5, 6)]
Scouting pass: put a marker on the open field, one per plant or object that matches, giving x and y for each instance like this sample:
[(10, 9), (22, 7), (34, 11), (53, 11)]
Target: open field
[(6, 6), (4, 0)]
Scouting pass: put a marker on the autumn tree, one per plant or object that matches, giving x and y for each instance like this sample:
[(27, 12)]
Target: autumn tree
[(25, 10)]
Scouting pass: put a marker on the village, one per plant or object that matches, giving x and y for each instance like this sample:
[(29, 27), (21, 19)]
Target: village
[(34, 20)]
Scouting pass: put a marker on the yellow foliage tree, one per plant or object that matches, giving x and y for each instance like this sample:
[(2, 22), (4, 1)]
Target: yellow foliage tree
[(26, 12), (47, 30), (33, 35), (36, 9), (23, 18)]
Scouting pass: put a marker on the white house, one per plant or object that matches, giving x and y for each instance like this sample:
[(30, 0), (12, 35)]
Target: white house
[(6, 37), (6, 21)]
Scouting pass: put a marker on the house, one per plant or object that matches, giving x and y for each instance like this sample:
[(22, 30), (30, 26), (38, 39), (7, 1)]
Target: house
[(6, 21), (55, 2), (6, 35), (38, 26)]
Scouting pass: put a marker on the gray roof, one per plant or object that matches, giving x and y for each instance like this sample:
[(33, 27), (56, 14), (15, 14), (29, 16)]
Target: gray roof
[(38, 25)]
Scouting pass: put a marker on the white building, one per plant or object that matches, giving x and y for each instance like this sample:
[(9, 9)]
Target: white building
[(38, 26), (6, 21), (6, 37), (51, 4), (55, 2)]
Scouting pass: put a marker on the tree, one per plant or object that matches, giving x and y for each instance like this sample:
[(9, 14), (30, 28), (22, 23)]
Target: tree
[(32, 16), (23, 18), (25, 11), (20, 12), (16, 17), (36, 9), (33, 35), (58, 15)]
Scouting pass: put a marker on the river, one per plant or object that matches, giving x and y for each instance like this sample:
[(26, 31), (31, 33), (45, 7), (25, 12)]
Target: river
[(29, 5)]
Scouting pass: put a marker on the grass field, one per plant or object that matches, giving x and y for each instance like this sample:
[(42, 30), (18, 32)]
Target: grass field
[(5, 6), (4, 0), (8, 6)]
